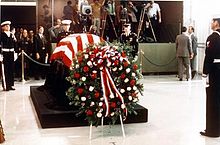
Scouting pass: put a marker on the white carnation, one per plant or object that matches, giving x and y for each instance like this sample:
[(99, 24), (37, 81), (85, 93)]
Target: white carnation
[(91, 88), (89, 63), (100, 104), (135, 100), (134, 88), (120, 68), (77, 66), (126, 80), (86, 56), (92, 104), (83, 98), (83, 79), (111, 96), (112, 114), (130, 98), (128, 70), (123, 106), (133, 74), (114, 69), (128, 88), (99, 114), (122, 91)]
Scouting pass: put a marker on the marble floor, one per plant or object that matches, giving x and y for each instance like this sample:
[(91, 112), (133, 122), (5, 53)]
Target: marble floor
[(176, 116)]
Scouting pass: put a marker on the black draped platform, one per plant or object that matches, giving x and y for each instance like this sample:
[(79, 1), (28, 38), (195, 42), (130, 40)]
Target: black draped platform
[(51, 118)]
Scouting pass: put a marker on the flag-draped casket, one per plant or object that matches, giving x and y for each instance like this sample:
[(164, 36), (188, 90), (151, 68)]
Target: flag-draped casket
[(61, 61)]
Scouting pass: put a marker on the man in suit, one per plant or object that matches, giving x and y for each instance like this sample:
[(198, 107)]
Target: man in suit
[(212, 69), (183, 53), (41, 52), (8, 44), (193, 39)]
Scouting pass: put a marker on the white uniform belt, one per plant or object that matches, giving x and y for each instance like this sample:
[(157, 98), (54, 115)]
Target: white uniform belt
[(8, 50), (216, 61)]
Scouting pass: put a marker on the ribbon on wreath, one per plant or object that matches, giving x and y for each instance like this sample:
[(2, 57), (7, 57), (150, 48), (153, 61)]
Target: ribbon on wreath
[(108, 85)]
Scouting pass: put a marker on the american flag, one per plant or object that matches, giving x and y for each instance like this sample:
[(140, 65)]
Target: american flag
[(70, 45)]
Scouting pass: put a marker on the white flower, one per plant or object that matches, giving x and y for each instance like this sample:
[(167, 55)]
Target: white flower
[(126, 80), (135, 100), (99, 114), (101, 68), (114, 69), (128, 70), (89, 63), (77, 66), (134, 88), (101, 110), (101, 99), (123, 106), (94, 71), (94, 63), (130, 98), (120, 68), (109, 64), (111, 96), (83, 79), (91, 88), (86, 56), (122, 91), (128, 88), (92, 104), (133, 74), (112, 114), (73, 82), (100, 104), (83, 98)]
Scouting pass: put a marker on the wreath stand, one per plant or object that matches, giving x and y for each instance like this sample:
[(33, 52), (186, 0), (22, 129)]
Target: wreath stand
[(102, 122), (2, 139)]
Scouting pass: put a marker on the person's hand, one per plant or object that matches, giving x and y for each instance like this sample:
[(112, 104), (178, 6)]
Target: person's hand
[(37, 56), (191, 56)]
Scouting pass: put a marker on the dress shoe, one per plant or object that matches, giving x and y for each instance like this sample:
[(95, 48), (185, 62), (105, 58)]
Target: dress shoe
[(11, 88), (207, 134), (181, 79)]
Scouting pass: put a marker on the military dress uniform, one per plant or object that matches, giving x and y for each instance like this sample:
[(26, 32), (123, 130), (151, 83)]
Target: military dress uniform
[(131, 40), (212, 69), (63, 34), (8, 44)]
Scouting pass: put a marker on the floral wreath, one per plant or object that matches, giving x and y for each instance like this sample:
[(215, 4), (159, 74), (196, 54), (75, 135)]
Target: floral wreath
[(104, 83)]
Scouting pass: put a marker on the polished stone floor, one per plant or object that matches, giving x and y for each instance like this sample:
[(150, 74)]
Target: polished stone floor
[(176, 116)]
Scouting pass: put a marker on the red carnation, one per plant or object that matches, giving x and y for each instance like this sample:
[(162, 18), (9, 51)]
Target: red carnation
[(89, 112), (125, 63), (80, 59), (116, 62), (97, 94), (132, 82), (123, 54), (123, 76), (113, 105), (96, 50), (76, 75), (80, 90), (135, 66), (94, 76), (85, 68)]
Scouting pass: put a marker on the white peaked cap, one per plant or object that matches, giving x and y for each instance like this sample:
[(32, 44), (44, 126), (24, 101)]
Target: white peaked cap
[(5, 23), (66, 22)]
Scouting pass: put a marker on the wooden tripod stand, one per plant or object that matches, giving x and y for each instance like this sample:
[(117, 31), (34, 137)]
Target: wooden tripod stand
[(141, 23)]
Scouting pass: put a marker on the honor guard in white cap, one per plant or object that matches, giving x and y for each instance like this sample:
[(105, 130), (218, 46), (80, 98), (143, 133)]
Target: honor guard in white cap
[(65, 30), (212, 69), (7, 50), (130, 38)]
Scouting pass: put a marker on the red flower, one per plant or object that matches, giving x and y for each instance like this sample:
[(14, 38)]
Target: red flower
[(92, 56), (93, 76), (125, 63), (89, 112), (85, 68), (76, 75), (123, 54), (80, 90), (97, 94), (135, 66), (123, 76), (132, 82), (80, 59), (116, 62), (113, 105)]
